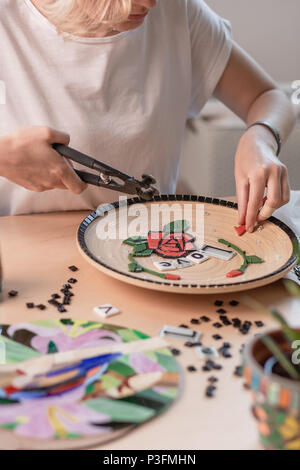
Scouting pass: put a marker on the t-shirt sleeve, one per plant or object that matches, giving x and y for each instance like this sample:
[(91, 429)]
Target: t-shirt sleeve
[(211, 44)]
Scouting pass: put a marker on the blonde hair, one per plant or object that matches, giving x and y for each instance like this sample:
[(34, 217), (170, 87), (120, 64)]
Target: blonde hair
[(85, 16)]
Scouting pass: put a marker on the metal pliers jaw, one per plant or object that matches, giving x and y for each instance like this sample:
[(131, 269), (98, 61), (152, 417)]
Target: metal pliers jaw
[(104, 179)]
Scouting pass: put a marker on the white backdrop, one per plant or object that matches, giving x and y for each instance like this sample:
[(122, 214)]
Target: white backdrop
[(269, 31)]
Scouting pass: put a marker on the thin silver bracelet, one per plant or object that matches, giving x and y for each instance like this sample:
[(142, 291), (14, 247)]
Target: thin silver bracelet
[(273, 130)]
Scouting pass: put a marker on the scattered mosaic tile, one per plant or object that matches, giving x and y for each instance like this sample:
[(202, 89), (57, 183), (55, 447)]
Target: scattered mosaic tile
[(13, 293), (183, 333), (182, 263), (217, 325), (106, 310), (165, 265), (217, 337), (216, 252), (73, 268), (206, 352), (205, 319), (197, 257)]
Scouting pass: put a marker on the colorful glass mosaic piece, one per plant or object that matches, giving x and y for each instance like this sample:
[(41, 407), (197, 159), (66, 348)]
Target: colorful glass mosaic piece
[(240, 230), (92, 400)]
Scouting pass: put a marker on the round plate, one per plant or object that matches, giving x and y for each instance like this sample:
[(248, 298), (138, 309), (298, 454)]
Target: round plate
[(274, 244), (76, 406)]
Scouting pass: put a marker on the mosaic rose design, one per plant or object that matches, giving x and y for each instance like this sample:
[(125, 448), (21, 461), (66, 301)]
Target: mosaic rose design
[(171, 245)]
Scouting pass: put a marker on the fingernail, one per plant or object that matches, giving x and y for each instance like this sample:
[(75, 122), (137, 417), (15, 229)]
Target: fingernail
[(250, 229)]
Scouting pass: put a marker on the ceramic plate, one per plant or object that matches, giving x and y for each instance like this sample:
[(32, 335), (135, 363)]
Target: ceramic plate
[(273, 244)]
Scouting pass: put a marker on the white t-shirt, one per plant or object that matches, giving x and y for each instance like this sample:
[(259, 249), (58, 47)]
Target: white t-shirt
[(123, 99)]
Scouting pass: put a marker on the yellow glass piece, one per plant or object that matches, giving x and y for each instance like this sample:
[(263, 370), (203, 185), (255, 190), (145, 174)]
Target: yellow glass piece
[(22, 419), (294, 445), (53, 413)]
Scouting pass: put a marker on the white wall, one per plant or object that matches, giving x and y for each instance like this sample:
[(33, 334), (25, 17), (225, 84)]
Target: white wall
[(269, 30)]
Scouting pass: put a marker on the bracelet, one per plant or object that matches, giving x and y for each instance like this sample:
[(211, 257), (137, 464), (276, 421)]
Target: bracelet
[(273, 130)]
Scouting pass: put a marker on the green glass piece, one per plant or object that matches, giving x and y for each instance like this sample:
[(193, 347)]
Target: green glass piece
[(177, 226), (133, 241), (120, 410), (280, 418), (140, 247), (17, 352), (143, 253), (128, 335), (155, 396), (52, 348), (254, 259), (73, 436), (234, 247), (89, 389), (67, 321), (140, 335), (120, 368), (6, 401), (167, 362), (10, 426), (135, 268), (108, 381)]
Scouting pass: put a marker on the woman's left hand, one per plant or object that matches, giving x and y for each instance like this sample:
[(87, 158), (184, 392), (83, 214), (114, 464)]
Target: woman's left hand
[(257, 169)]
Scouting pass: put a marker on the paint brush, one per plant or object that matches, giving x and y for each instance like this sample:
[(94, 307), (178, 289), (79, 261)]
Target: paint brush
[(41, 365)]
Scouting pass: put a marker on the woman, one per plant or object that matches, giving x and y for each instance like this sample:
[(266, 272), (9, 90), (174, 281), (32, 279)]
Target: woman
[(117, 79)]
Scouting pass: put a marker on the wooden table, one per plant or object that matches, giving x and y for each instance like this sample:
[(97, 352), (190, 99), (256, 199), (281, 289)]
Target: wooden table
[(36, 252)]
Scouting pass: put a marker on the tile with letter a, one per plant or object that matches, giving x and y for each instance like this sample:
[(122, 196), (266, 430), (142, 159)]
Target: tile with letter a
[(165, 265), (106, 310), (197, 257), (183, 263)]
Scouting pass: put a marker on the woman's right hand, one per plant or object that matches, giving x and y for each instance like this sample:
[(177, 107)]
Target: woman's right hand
[(28, 159)]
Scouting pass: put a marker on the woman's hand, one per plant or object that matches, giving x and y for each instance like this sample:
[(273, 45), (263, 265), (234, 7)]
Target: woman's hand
[(257, 168), (28, 159)]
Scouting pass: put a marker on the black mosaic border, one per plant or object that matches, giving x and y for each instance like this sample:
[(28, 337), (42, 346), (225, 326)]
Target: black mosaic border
[(178, 197)]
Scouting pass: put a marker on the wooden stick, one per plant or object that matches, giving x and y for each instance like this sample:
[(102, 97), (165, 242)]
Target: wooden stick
[(41, 365)]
